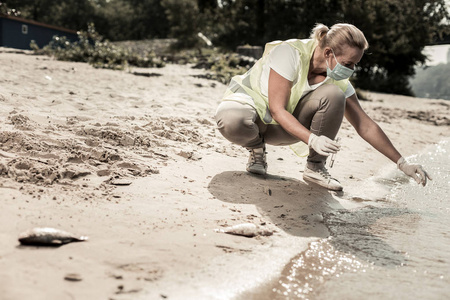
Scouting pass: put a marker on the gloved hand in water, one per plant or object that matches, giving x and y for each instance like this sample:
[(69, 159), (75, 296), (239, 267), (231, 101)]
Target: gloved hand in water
[(414, 171), (323, 145)]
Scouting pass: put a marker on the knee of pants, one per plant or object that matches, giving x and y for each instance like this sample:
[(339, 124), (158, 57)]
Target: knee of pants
[(236, 126), (333, 97)]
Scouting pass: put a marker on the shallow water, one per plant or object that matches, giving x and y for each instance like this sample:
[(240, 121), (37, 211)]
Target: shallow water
[(399, 250)]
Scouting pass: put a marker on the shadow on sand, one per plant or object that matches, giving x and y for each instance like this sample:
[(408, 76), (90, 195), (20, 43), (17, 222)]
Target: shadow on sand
[(310, 211), (290, 204)]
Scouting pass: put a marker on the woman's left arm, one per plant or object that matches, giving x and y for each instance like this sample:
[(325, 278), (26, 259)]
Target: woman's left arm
[(371, 132)]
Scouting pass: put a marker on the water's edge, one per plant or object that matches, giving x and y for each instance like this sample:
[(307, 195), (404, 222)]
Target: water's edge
[(369, 246)]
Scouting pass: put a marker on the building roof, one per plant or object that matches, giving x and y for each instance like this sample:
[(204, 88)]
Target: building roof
[(37, 23)]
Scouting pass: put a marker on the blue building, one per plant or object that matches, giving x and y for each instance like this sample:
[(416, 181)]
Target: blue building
[(17, 32)]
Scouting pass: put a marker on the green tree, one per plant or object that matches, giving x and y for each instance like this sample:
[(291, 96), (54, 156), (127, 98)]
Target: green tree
[(36, 10), (4, 9), (296, 18), (183, 16), (113, 19), (259, 21), (75, 14), (207, 5), (149, 20), (237, 24)]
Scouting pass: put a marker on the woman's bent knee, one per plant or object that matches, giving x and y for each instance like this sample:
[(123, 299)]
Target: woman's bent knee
[(234, 116), (332, 95), (236, 122)]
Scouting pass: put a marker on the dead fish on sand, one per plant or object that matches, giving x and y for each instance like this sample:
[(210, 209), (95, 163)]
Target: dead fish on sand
[(246, 229), (48, 237)]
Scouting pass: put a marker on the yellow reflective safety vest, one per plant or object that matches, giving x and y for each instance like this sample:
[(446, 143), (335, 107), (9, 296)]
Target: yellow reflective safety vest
[(249, 83)]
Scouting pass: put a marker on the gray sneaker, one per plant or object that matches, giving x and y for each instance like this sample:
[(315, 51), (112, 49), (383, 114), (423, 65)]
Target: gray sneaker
[(257, 161), (319, 175)]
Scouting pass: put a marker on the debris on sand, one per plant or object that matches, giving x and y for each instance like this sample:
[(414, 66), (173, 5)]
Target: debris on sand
[(73, 277), (246, 229), (121, 181), (48, 237), (267, 191)]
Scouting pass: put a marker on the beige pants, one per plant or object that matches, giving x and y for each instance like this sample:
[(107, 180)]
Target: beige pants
[(321, 111)]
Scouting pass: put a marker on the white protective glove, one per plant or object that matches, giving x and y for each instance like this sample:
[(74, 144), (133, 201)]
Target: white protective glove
[(414, 171), (323, 145)]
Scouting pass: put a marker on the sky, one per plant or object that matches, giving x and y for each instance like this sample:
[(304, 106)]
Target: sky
[(437, 54)]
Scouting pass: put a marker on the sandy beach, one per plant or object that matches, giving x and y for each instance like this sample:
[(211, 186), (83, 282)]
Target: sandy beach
[(133, 160)]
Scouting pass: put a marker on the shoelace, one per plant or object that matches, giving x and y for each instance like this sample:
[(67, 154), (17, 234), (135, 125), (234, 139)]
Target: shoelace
[(257, 157), (323, 171)]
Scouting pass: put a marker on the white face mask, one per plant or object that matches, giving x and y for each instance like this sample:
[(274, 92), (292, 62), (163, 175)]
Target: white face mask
[(339, 72)]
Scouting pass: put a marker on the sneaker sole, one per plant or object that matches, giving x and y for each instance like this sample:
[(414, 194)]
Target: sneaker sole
[(320, 183), (258, 171)]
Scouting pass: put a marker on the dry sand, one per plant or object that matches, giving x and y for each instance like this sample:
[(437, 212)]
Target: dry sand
[(135, 163)]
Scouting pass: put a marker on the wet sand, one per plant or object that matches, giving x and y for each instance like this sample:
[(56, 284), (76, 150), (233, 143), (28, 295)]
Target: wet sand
[(135, 163)]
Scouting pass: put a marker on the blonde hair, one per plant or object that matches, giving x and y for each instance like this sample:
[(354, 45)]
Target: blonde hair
[(339, 34)]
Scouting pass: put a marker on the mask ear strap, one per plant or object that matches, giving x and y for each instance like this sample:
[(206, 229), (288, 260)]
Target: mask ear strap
[(332, 52), (334, 55)]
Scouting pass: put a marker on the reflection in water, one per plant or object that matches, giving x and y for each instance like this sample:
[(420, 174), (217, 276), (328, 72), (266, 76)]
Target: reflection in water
[(352, 247), (396, 252), (312, 268)]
